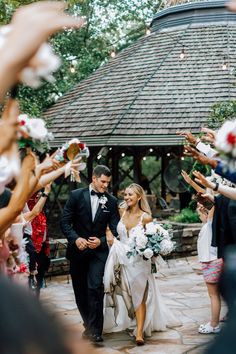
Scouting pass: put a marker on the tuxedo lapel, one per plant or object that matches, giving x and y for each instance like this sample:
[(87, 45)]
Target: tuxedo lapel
[(88, 203), (99, 210)]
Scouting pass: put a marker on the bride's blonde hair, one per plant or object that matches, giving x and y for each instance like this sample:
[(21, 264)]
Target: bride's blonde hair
[(142, 203)]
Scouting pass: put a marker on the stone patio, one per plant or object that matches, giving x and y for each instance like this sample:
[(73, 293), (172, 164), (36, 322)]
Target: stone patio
[(184, 290)]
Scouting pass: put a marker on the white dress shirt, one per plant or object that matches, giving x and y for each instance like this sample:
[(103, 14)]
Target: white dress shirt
[(94, 202)]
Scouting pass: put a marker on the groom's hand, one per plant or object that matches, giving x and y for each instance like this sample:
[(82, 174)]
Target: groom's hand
[(81, 243), (93, 242)]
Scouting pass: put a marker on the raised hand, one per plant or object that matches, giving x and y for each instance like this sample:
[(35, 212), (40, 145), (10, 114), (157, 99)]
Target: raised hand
[(203, 180), (49, 164), (209, 135), (188, 136), (190, 151), (9, 125), (31, 26)]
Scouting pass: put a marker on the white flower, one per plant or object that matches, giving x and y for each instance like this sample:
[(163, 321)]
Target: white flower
[(33, 127), (166, 247), (45, 63), (151, 228), (223, 142), (141, 241), (102, 200), (37, 129), (148, 253), (73, 141), (165, 234)]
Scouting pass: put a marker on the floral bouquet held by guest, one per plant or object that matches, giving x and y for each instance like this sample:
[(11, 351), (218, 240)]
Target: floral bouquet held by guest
[(226, 143), (33, 133), (70, 151), (150, 242)]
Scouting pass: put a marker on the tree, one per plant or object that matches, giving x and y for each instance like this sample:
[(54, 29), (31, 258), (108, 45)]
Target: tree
[(220, 112), (111, 25)]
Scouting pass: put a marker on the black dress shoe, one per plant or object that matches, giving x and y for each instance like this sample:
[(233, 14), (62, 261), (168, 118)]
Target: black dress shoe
[(96, 338)]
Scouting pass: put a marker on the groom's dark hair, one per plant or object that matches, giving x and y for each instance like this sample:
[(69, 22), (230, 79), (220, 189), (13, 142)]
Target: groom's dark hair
[(101, 170)]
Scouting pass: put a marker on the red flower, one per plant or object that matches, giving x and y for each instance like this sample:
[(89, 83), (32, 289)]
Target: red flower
[(231, 138), (22, 122), (65, 155), (82, 146), (23, 268)]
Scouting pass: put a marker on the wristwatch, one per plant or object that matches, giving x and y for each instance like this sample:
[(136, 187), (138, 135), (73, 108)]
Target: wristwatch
[(216, 187), (44, 195)]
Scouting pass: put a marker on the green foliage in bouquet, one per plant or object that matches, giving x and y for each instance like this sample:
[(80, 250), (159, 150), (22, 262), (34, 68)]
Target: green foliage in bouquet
[(187, 216), (35, 145)]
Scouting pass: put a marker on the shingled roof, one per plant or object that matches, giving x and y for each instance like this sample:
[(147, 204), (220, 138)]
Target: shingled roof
[(146, 93)]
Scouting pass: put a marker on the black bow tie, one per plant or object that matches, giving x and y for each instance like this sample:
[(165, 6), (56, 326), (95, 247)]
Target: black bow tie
[(96, 193)]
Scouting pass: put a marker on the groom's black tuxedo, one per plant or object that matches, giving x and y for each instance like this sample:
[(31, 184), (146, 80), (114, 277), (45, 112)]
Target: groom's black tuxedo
[(87, 266)]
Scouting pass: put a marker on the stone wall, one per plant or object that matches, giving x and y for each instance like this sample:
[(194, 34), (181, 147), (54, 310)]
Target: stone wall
[(185, 236)]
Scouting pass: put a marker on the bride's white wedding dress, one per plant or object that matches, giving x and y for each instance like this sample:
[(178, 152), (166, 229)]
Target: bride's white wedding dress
[(127, 282)]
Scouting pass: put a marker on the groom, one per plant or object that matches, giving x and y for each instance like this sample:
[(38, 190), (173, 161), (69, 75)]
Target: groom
[(85, 218)]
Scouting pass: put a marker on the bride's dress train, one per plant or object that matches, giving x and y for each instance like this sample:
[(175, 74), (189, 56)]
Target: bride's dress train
[(127, 282)]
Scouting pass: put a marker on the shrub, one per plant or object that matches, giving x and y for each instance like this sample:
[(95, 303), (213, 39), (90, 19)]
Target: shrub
[(186, 216)]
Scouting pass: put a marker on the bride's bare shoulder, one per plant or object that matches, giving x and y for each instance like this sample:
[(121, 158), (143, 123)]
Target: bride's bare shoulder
[(122, 210), (147, 218)]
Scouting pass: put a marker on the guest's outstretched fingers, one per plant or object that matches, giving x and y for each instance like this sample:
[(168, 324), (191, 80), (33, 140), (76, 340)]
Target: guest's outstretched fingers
[(209, 136), (201, 179), (188, 136)]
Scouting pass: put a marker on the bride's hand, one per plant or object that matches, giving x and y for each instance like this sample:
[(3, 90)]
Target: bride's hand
[(109, 237)]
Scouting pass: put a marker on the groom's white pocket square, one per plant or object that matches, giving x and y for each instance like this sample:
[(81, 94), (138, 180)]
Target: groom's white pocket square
[(106, 211)]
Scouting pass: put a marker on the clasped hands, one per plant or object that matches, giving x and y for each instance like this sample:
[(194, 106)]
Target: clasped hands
[(92, 243)]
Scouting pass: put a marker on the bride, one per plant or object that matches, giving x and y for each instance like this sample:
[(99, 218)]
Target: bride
[(131, 289)]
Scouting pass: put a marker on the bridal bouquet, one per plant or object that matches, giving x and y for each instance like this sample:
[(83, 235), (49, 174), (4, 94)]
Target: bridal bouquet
[(152, 241), (226, 143)]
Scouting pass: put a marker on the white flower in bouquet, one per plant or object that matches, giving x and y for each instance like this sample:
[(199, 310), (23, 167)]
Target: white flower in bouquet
[(151, 228), (226, 138), (165, 234), (34, 128), (148, 253), (141, 241), (166, 247)]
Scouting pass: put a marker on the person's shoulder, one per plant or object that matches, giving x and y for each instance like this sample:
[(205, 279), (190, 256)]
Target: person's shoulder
[(122, 210), (111, 197), (147, 218), (78, 192)]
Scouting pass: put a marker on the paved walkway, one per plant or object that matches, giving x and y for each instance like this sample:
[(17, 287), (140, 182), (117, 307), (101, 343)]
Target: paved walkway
[(184, 292)]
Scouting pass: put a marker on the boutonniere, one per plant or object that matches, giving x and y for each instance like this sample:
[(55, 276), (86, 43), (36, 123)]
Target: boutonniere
[(102, 200)]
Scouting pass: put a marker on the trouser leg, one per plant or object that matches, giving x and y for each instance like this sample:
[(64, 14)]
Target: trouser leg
[(79, 275), (96, 295)]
